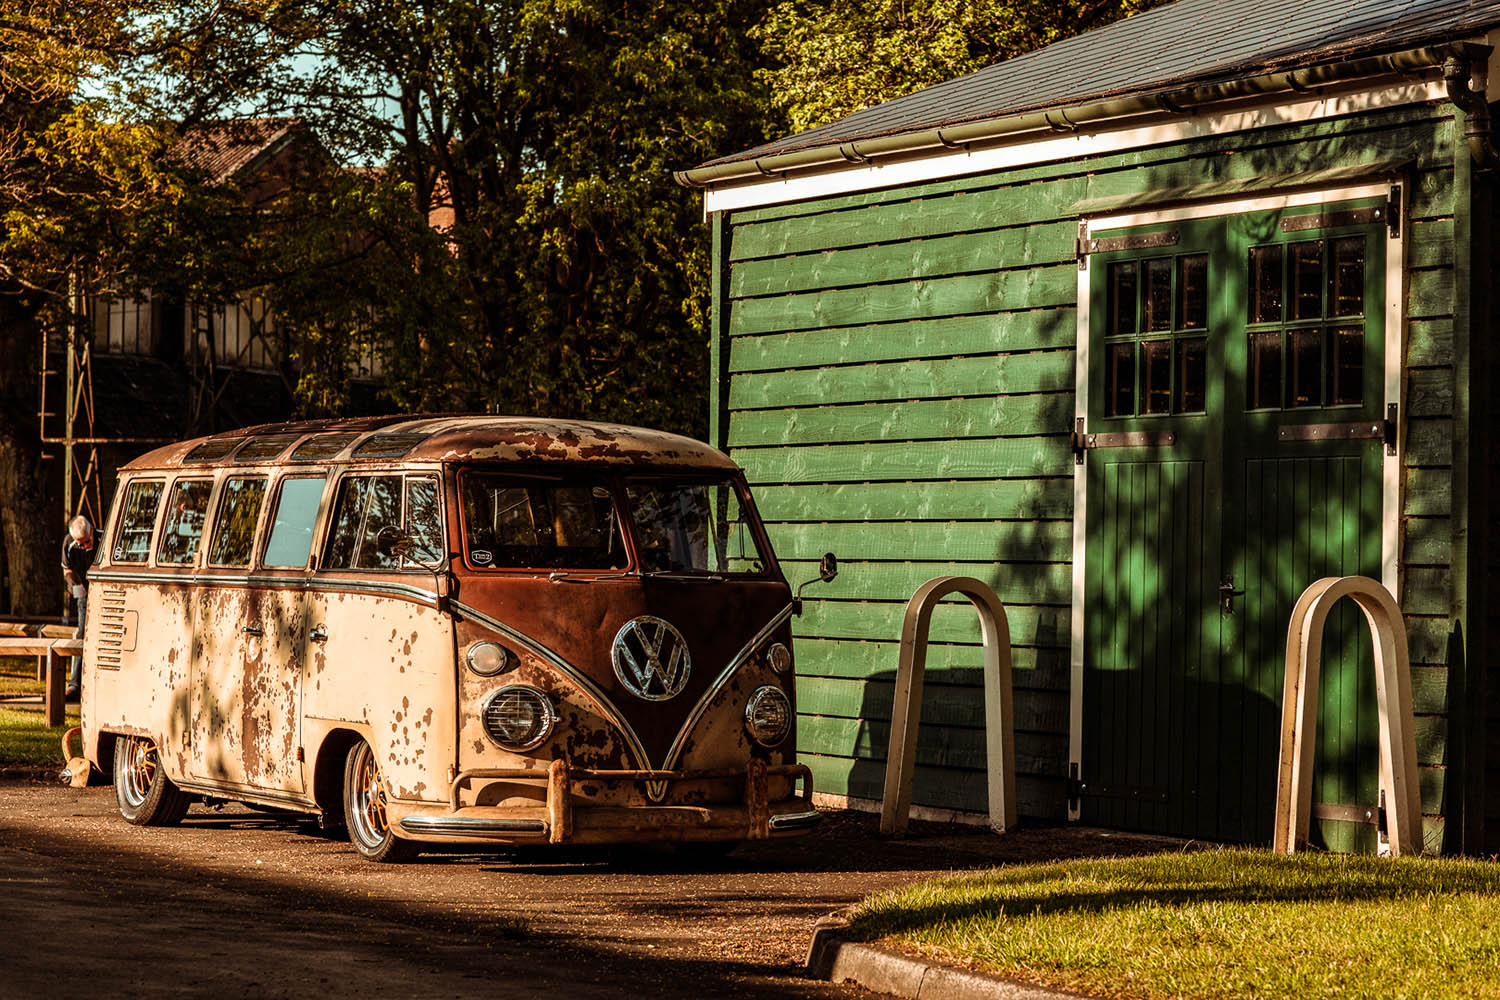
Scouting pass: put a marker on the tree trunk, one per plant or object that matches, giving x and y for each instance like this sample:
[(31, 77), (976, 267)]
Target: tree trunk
[(32, 532)]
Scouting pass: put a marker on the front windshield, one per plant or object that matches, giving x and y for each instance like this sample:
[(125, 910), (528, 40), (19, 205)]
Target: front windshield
[(538, 522), (693, 527)]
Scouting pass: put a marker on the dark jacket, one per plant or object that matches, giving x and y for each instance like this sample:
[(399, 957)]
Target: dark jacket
[(76, 560)]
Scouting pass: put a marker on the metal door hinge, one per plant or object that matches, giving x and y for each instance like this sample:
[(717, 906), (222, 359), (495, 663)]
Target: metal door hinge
[(1393, 213), (1083, 441), (1392, 427), (1075, 787)]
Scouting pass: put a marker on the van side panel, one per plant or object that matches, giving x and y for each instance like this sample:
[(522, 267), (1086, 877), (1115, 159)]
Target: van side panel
[(148, 691), (247, 679), (387, 669)]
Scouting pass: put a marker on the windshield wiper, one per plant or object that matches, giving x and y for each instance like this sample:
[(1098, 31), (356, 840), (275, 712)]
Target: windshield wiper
[(562, 576), (677, 574)]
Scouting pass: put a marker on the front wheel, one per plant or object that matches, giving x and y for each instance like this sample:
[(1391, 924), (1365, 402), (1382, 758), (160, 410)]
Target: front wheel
[(147, 797), (364, 809)]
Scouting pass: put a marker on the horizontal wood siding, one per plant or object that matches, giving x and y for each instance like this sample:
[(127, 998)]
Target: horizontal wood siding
[(897, 381)]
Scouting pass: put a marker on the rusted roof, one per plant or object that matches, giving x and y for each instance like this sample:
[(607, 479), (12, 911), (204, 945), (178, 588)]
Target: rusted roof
[(451, 438), (223, 149), (1188, 43)]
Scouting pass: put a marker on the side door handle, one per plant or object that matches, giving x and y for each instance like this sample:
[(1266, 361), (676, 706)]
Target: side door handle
[(1227, 594), (253, 630), (318, 633)]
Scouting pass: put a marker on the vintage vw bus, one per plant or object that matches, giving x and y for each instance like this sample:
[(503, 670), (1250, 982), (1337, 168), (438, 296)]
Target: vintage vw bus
[(447, 629)]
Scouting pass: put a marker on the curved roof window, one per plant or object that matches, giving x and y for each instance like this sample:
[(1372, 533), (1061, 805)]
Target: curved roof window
[(323, 446), (388, 445), (261, 449), (213, 449)]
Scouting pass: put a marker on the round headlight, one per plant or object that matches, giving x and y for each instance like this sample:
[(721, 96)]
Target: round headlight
[(519, 717), (768, 715), (779, 657), (487, 659)]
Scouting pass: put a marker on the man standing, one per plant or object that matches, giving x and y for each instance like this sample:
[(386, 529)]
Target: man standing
[(77, 555)]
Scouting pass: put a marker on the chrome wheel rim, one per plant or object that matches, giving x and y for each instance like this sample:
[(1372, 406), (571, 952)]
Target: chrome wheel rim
[(138, 769), (368, 817)]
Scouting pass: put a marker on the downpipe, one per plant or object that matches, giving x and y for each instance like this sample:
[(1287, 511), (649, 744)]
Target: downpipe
[(1479, 127)]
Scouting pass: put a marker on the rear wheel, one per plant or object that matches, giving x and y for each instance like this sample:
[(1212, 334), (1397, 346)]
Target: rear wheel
[(145, 794), (364, 809)]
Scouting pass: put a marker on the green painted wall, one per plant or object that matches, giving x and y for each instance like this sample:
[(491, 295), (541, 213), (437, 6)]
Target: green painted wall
[(895, 373)]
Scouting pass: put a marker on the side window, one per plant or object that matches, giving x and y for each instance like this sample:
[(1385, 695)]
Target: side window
[(137, 518), (292, 524), (366, 506), (234, 525), (184, 524), (424, 520)]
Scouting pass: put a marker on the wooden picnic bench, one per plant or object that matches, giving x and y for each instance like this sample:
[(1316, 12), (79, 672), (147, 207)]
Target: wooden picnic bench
[(54, 650)]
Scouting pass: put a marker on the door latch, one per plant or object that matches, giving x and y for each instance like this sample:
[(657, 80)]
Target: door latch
[(1227, 594), (318, 633)]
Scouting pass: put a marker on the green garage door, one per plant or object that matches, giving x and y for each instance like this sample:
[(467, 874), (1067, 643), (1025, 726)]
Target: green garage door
[(1233, 456)]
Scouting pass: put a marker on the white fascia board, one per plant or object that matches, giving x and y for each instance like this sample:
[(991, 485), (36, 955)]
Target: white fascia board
[(1031, 151)]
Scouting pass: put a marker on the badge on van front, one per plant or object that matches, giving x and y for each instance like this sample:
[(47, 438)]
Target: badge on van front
[(651, 658)]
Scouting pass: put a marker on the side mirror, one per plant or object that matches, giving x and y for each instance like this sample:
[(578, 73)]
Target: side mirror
[(392, 542), (828, 568)]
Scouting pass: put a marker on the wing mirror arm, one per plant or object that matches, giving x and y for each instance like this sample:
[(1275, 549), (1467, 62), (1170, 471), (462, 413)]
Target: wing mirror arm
[(827, 570)]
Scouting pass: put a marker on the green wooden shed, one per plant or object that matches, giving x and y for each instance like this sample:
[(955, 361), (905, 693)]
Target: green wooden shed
[(1149, 329)]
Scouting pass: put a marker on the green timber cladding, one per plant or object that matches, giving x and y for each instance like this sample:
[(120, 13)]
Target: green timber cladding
[(897, 368)]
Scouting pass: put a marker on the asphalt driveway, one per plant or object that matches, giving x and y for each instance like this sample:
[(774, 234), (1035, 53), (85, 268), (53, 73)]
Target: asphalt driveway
[(237, 903)]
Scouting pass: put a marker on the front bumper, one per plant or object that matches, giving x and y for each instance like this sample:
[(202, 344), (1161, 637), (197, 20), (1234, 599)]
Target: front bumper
[(564, 820)]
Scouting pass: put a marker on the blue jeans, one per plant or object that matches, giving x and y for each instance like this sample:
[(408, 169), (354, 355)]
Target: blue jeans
[(75, 664)]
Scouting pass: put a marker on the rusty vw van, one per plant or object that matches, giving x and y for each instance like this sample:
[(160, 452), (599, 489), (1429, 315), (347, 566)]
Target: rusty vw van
[(447, 629)]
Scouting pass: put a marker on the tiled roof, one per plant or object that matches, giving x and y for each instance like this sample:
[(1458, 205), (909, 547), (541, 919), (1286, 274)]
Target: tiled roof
[(223, 149), (1185, 43)]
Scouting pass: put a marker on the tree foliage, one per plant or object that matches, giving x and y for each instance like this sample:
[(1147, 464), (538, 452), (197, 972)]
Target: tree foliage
[(831, 58), (565, 270)]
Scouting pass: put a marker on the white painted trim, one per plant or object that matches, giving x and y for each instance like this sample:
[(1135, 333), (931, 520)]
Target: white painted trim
[(1390, 512), (1238, 206), (1395, 356), (1032, 148), (1080, 536)]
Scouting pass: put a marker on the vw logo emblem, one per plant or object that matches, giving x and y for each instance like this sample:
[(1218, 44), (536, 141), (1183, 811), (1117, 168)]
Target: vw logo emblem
[(651, 658)]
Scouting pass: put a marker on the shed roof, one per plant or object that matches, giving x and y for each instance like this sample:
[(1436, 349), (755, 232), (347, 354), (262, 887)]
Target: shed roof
[(1188, 43)]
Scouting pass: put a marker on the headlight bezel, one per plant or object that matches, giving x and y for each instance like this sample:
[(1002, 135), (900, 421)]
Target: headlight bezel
[(759, 698), (548, 711)]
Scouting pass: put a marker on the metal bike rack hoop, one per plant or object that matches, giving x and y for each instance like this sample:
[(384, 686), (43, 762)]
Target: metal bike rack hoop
[(1299, 713), (999, 713)]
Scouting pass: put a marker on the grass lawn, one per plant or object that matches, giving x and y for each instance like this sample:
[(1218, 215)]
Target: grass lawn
[(1221, 923), (24, 739)]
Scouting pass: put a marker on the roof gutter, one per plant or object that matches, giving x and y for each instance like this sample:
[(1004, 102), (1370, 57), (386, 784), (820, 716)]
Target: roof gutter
[(1069, 119)]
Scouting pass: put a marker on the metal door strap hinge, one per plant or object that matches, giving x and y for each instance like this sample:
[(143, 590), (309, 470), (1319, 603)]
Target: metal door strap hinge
[(1379, 430), (1075, 786), (1366, 815), (1083, 441)]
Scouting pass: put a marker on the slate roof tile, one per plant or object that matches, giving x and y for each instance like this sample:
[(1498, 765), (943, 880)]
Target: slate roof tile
[(1188, 42)]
